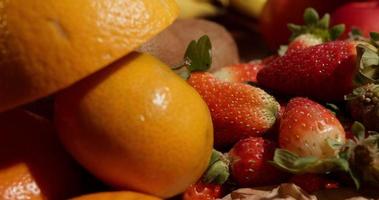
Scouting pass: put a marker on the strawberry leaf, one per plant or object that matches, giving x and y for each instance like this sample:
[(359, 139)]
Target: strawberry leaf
[(218, 169), (294, 27), (324, 22), (198, 56), (355, 178), (358, 130), (336, 31), (311, 16), (316, 26), (374, 36), (356, 35), (368, 60), (333, 108), (288, 161), (356, 32), (363, 157)]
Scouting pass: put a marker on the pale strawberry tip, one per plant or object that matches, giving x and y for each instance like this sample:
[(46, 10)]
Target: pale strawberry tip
[(315, 31)]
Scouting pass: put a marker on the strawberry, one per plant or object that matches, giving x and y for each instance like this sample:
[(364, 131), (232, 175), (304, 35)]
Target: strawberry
[(273, 133), (249, 162), (362, 153), (203, 191), (315, 31), (364, 105), (307, 129), (209, 187), (302, 41), (268, 59), (243, 72), (313, 182), (327, 71), (358, 158), (311, 138), (238, 110)]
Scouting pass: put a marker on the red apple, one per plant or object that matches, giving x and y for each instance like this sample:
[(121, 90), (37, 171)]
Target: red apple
[(278, 13), (362, 15)]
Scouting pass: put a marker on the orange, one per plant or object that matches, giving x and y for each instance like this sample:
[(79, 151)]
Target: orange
[(33, 165), (48, 45), (137, 125), (116, 196)]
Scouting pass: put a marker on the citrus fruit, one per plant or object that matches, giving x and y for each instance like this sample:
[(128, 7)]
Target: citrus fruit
[(48, 45), (116, 196), (33, 165), (137, 125)]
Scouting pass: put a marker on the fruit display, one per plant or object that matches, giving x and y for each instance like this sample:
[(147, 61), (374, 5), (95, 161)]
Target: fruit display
[(189, 99)]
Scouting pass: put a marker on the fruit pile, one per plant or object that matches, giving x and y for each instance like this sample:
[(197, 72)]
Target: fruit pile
[(307, 115), (97, 102)]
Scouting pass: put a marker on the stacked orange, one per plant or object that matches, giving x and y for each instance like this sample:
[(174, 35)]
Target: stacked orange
[(128, 119)]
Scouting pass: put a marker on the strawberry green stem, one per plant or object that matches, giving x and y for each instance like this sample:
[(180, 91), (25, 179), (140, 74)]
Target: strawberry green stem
[(218, 170), (316, 26), (368, 64), (197, 58)]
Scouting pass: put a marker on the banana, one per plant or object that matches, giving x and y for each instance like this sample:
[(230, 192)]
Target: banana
[(251, 8), (197, 8)]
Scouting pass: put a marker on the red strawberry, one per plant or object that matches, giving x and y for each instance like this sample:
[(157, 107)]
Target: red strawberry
[(244, 72), (238, 110), (249, 162), (202, 191), (313, 182), (269, 59), (327, 71), (308, 129), (274, 131)]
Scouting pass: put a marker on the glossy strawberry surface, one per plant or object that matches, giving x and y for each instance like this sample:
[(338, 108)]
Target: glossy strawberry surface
[(324, 71), (238, 110), (307, 129), (249, 162)]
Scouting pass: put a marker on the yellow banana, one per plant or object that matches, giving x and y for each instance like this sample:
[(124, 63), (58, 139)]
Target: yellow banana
[(251, 8), (197, 8)]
